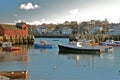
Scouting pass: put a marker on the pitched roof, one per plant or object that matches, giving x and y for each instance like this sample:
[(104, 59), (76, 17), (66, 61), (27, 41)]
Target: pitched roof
[(9, 27)]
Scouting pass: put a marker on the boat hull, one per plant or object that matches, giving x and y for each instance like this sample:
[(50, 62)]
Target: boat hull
[(11, 49), (42, 46), (69, 49), (114, 45), (111, 43)]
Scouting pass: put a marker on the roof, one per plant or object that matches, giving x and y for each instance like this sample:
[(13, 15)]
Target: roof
[(9, 27)]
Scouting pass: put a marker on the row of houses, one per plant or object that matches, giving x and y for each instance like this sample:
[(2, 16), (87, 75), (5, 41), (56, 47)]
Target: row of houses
[(85, 27), (57, 30), (66, 30), (88, 27), (68, 27)]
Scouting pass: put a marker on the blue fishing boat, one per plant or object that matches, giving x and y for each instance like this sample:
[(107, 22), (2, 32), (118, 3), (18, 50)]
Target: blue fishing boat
[(42, 44)]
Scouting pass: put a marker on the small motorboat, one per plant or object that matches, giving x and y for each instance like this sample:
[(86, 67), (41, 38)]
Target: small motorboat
[(7, 46), (42, 44)]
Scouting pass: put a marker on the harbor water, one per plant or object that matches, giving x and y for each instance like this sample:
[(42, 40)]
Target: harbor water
[(48, 64)]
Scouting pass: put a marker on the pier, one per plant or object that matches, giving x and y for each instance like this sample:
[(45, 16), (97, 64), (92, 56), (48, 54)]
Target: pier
[(52, 36), (17, 39)]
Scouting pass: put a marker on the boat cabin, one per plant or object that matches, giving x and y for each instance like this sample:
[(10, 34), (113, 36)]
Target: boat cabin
[(6, 44), (79, 44)]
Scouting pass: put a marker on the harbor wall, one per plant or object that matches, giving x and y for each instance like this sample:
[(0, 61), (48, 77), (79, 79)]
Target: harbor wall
[(17, 39)]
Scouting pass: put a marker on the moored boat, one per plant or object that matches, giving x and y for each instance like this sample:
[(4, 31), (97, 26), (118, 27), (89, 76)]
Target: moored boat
[(7, 46), (42, 44), (110, 43), (75, 49), (85, 48)]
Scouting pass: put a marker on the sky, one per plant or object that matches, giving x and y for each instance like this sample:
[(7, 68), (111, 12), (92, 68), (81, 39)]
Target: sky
[(58, 11)]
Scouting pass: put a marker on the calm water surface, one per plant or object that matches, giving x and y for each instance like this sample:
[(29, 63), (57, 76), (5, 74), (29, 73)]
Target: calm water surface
[(48, 64)]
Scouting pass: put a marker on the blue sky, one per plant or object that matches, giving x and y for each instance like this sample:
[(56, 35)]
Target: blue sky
[(57, 11)]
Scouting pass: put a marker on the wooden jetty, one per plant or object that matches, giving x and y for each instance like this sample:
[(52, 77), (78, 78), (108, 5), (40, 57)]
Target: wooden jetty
[(17, 34), (13, 75), (17, 39)]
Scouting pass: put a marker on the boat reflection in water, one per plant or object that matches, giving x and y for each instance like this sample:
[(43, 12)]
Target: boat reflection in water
[(87, 59), (19, 55), (44, 50), (14, 56)]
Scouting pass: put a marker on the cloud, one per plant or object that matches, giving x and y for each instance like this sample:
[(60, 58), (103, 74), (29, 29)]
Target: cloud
[(18, 21), (74, 11), (28, 6), (36, 22), (43, 20), (39, 22)]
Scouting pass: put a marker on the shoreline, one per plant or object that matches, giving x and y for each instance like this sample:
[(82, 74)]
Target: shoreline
[(52, 36)]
